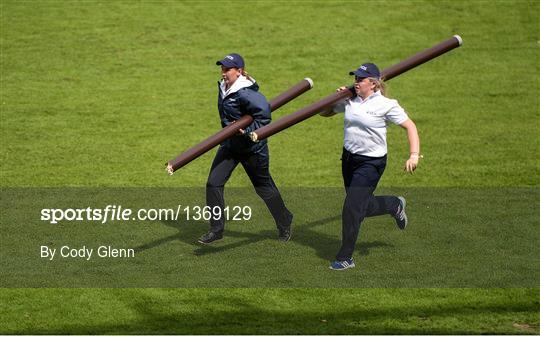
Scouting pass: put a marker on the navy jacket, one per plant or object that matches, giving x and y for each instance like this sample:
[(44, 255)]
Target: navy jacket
[(246, 101)]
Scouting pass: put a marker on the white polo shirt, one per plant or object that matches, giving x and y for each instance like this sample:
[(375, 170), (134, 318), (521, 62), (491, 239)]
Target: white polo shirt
[(366, 122)]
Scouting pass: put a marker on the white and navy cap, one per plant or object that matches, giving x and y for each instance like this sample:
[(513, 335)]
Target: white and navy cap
[(366, 70), (232, 61)]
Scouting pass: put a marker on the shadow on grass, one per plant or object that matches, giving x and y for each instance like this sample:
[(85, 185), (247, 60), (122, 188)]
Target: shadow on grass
[(325, 245), (237, 315), (188, 232)]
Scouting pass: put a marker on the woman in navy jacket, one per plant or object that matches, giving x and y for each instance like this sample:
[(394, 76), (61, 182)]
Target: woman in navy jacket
[(239, 95)]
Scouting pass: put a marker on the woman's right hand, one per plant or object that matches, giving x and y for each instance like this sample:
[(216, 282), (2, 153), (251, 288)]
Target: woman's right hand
[(329, 111)]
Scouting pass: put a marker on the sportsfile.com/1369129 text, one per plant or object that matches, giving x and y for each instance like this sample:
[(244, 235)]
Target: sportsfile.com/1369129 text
[(119, 213)]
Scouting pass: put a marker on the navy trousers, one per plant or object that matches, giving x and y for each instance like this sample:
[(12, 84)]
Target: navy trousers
[(256, 166), (361, 174)]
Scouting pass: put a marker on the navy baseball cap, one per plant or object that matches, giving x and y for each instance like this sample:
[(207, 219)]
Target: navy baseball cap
[(367, 70), (231, 61)]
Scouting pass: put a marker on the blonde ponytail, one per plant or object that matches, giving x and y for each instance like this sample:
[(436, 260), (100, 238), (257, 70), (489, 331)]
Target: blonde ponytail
[(246, 75), (379, 85)]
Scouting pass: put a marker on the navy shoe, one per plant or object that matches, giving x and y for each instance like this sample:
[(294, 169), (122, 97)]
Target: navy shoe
[(401, 216), (342, 265), (284, 234), (210, 237)]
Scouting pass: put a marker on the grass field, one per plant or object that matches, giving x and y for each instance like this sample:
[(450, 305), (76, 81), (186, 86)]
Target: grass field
[(100, 95)]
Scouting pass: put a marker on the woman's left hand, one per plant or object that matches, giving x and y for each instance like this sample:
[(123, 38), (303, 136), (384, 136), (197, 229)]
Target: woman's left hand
[(411, 164), (414, 146)]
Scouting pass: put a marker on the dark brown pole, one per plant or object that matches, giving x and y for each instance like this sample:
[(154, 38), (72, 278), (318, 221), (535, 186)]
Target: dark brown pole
[(293, 92), (207, 144), (231, 129), (327, 102), (422, 57)]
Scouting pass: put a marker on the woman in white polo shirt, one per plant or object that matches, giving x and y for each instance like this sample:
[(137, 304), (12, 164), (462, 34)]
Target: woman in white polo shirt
[(367, 115)]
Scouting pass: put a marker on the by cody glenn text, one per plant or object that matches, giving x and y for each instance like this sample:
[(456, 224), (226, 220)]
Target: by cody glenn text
[(85, 252)]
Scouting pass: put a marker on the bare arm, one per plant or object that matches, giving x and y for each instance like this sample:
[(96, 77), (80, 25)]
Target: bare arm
[(330, 111), (414, 145)]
